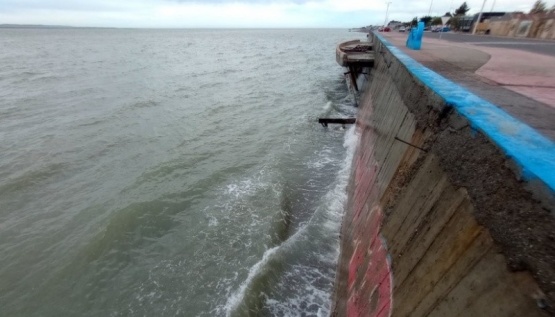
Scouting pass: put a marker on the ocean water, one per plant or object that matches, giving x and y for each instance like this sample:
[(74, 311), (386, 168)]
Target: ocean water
[(171, 172)]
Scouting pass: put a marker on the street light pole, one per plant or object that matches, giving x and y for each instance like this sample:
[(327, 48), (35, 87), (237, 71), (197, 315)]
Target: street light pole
[(386, 13), (430, 11), (479, 17)]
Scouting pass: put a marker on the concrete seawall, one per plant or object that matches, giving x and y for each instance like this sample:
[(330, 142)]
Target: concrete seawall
[(451, 209)]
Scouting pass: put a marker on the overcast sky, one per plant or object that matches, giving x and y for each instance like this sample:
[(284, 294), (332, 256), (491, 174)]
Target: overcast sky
[(232, 13)]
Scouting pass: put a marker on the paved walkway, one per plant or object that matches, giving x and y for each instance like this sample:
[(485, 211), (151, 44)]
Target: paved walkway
[(540, 46), (520, 82)]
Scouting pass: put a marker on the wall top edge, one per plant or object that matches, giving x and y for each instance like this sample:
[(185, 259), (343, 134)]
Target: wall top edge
[(533, 153)]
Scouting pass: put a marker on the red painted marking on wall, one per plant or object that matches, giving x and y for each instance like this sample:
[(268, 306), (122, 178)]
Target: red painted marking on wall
[(372, 295), (355, 262), (352, 304), (369, 282), (379, 274)]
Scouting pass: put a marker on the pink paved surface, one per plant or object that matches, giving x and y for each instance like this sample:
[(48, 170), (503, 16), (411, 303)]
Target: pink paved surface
[(526, 73)]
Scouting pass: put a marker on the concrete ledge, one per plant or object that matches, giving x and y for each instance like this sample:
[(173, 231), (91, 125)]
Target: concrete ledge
[(533, 153)]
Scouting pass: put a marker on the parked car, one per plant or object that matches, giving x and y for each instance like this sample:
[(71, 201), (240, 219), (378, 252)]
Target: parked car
[(402, 29), (441, 29)]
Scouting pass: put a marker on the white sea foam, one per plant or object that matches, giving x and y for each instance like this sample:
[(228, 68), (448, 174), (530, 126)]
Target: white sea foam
[(336, 198), (322, 158), (245, 187), (312, 295), (237, 297), (250, 185), (312, 298), (313, 292), (212, 221)]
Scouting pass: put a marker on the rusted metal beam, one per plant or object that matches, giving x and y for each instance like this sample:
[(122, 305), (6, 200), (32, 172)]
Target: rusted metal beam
[(410, 144), (353, 74), (325, 121)]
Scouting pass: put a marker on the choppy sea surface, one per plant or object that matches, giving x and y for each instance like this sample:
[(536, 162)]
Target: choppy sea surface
[(171, 172)]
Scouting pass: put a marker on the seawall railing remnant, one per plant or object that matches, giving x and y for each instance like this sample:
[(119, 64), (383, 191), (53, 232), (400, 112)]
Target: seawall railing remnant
[(451, 203), (325, 121)]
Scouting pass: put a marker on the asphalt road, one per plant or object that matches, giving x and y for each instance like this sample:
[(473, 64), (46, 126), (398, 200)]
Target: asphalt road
[(546, 47)]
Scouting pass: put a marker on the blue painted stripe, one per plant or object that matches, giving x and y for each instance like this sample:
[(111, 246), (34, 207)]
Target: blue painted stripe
[(531, 151)]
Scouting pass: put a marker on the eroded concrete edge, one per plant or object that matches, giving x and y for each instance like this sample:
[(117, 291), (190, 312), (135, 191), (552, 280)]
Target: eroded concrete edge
[(533, 153)]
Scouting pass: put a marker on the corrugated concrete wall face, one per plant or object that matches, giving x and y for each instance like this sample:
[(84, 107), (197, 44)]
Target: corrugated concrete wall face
[(444, 263), (368, 287), (411, 245)]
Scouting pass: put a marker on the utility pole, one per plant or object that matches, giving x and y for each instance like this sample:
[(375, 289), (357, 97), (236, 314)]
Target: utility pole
[(479, 17), (430, 11), (386, 13), (492, 5)]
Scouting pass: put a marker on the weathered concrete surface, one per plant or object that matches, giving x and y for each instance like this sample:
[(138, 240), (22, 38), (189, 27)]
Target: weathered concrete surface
[(354, 53), (520, 82), (439, 220)]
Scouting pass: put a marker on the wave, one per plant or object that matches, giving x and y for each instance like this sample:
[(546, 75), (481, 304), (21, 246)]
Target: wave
[(242, 300), (144, 104), (32, 178), (314, 291)]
